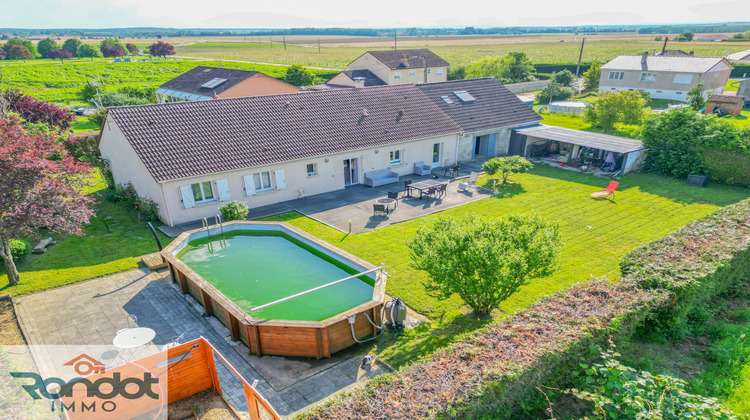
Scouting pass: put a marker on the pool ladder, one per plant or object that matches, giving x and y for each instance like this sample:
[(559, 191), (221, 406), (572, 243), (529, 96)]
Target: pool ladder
[(222, 241)]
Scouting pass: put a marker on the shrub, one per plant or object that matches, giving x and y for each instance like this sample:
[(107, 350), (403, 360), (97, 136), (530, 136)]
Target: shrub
[(234, 210), (619, 391), (564, 78), (506, 165), (727, 167), (126, 193), (627, 107), (19, 250), (457, 73), (33, 110), (83, 148), (554, 92), (591, 77), (485, 261), (695, 97)]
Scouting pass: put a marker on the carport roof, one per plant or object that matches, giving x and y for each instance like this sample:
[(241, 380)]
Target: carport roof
[(583, 138)]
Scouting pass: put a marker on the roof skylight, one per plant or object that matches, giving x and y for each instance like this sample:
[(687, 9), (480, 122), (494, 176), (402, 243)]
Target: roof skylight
[(213, 83), (447, 100), (464, 96)]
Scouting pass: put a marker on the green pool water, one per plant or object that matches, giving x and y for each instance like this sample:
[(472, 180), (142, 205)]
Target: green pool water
[(259, 267)]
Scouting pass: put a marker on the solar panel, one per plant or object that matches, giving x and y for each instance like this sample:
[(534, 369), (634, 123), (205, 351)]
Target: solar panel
[(464, 96), (213, 83), (447, 100)]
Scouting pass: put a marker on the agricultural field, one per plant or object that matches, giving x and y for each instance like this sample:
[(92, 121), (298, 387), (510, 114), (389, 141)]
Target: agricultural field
[(53, 81)]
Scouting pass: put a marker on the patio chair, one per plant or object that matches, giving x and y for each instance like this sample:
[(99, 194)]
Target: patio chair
[(132, 323), (379, 209), (176, 341), (421, 169), (442, 189), (610, 190), (470, 183), (452, 171), (394, 195), (301, 193), (432, 192)]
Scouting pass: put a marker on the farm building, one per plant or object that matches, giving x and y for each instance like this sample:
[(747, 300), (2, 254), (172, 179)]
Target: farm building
[(189, 157), (665, 77), (202, 83)]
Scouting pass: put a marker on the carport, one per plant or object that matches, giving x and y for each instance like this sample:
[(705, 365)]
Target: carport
[(578, 149)]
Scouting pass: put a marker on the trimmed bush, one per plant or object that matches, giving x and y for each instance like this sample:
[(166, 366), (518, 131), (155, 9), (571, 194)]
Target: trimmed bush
[(19, 250), (727, 167), (234, 210)]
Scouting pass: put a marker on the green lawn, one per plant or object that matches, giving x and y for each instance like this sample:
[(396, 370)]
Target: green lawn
[(98, 253), (596, 234)]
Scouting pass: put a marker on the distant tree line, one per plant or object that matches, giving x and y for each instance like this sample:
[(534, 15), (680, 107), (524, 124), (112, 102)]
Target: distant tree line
[(23, 49)]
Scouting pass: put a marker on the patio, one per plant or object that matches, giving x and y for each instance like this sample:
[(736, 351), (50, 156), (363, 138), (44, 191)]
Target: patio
[(91, 313), (354, 204)]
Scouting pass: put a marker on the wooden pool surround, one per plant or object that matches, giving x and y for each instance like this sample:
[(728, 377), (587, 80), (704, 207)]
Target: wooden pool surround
[(279, 337)]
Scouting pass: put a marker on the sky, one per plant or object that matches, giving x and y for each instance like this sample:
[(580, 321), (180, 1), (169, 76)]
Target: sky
[(347, 13)]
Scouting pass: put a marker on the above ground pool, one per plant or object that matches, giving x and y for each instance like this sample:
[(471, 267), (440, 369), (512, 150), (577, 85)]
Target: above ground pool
[(234, 268)]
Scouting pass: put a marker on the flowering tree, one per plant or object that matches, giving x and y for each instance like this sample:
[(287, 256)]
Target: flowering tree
[(108, 51), (59, 54), (37, 192), (161, 49)]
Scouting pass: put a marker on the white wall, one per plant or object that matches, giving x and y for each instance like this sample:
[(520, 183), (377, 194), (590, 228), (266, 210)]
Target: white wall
[(330, 176)]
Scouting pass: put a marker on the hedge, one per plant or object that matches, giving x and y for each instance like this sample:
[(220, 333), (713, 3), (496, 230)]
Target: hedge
[(740, 71), (495, 372), (727, 167)]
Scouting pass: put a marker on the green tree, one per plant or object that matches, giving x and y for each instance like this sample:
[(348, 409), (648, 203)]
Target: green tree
[(506, 166), (132, 49), (695, 97), (18, 52), (23, 42), (45, 45), (72, 44), (625, 107), (457, 73), (564, 78), (513, 68), (686, 36), (485, 261), (88, 50), (299, 76), (591, 77), (554, 92), (113, 42)]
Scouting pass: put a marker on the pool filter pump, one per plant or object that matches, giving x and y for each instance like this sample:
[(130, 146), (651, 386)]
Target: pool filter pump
[(395, 313)]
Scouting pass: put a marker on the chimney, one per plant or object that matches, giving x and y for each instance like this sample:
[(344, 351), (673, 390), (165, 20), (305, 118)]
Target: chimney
[(644, 57), (359, 82), (404, 61)]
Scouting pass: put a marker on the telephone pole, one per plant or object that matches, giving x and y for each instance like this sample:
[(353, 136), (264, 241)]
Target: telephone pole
[(395, 39), (664, 47), (318, 45), (580, 55), (284, 38)]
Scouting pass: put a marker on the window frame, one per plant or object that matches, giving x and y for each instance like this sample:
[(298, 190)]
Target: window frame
[(648, 77), (613, 75), (396, 75), (412, 73), (260, 179), (439, 71), (200, 186), (314, 169), (397, 160)]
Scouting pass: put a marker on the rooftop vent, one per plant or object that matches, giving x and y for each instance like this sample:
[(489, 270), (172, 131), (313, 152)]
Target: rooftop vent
[(365, 112), (401, 111), (447, 100), (404, 62), (464, 96), (213, 83), (359, 82)]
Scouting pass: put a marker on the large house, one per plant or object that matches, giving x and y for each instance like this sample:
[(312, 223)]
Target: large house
[(394, 67), (665, 77), (203, 83), (189, 157)]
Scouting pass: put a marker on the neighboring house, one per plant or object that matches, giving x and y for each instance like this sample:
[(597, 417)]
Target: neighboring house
[(665, 77), (202, 83), (485, 110), (739, 56), (397, 67), (355, 78), (189, 157)]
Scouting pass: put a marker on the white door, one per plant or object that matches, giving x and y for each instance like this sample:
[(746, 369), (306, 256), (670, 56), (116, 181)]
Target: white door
[(436, 155)]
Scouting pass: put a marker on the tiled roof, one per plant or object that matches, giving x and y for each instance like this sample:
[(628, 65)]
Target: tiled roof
[(191, 81), (674, 53), (494, 105), (394, 58), (179, 140), (663, 63), (370, 78), (727, 99)]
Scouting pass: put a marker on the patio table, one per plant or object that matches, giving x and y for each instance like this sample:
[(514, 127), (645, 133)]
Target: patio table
[(133, 337), (423, 186)]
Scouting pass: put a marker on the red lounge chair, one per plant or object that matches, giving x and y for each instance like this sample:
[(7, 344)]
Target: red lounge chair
[(610, 190)]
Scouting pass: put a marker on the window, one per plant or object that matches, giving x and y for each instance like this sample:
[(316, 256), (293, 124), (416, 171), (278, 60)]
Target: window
[(429, 71), (396, 75), (312, 169), (262, 181), (412, 73), (202, 191), (464, 96), (439, 71), (648, 77), (447, 100), (395, 157), (683, 79), (616, 75)]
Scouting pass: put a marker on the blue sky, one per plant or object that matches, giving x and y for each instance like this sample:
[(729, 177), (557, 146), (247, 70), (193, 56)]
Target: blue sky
[(383, 13)]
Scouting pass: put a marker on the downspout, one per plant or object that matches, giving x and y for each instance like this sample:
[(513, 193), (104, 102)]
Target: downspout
[(458, 141), (170, 222)]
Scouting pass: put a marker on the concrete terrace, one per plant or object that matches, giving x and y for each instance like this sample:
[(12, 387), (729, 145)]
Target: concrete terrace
[(91, 313), (354, 203)]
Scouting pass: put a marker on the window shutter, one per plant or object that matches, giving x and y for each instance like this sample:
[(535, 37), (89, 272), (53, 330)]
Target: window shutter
[(280, 179), (223, 189), (188, 200), (249, 185)]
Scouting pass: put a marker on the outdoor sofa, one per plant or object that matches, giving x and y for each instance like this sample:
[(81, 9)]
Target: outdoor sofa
[(380, 177)]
